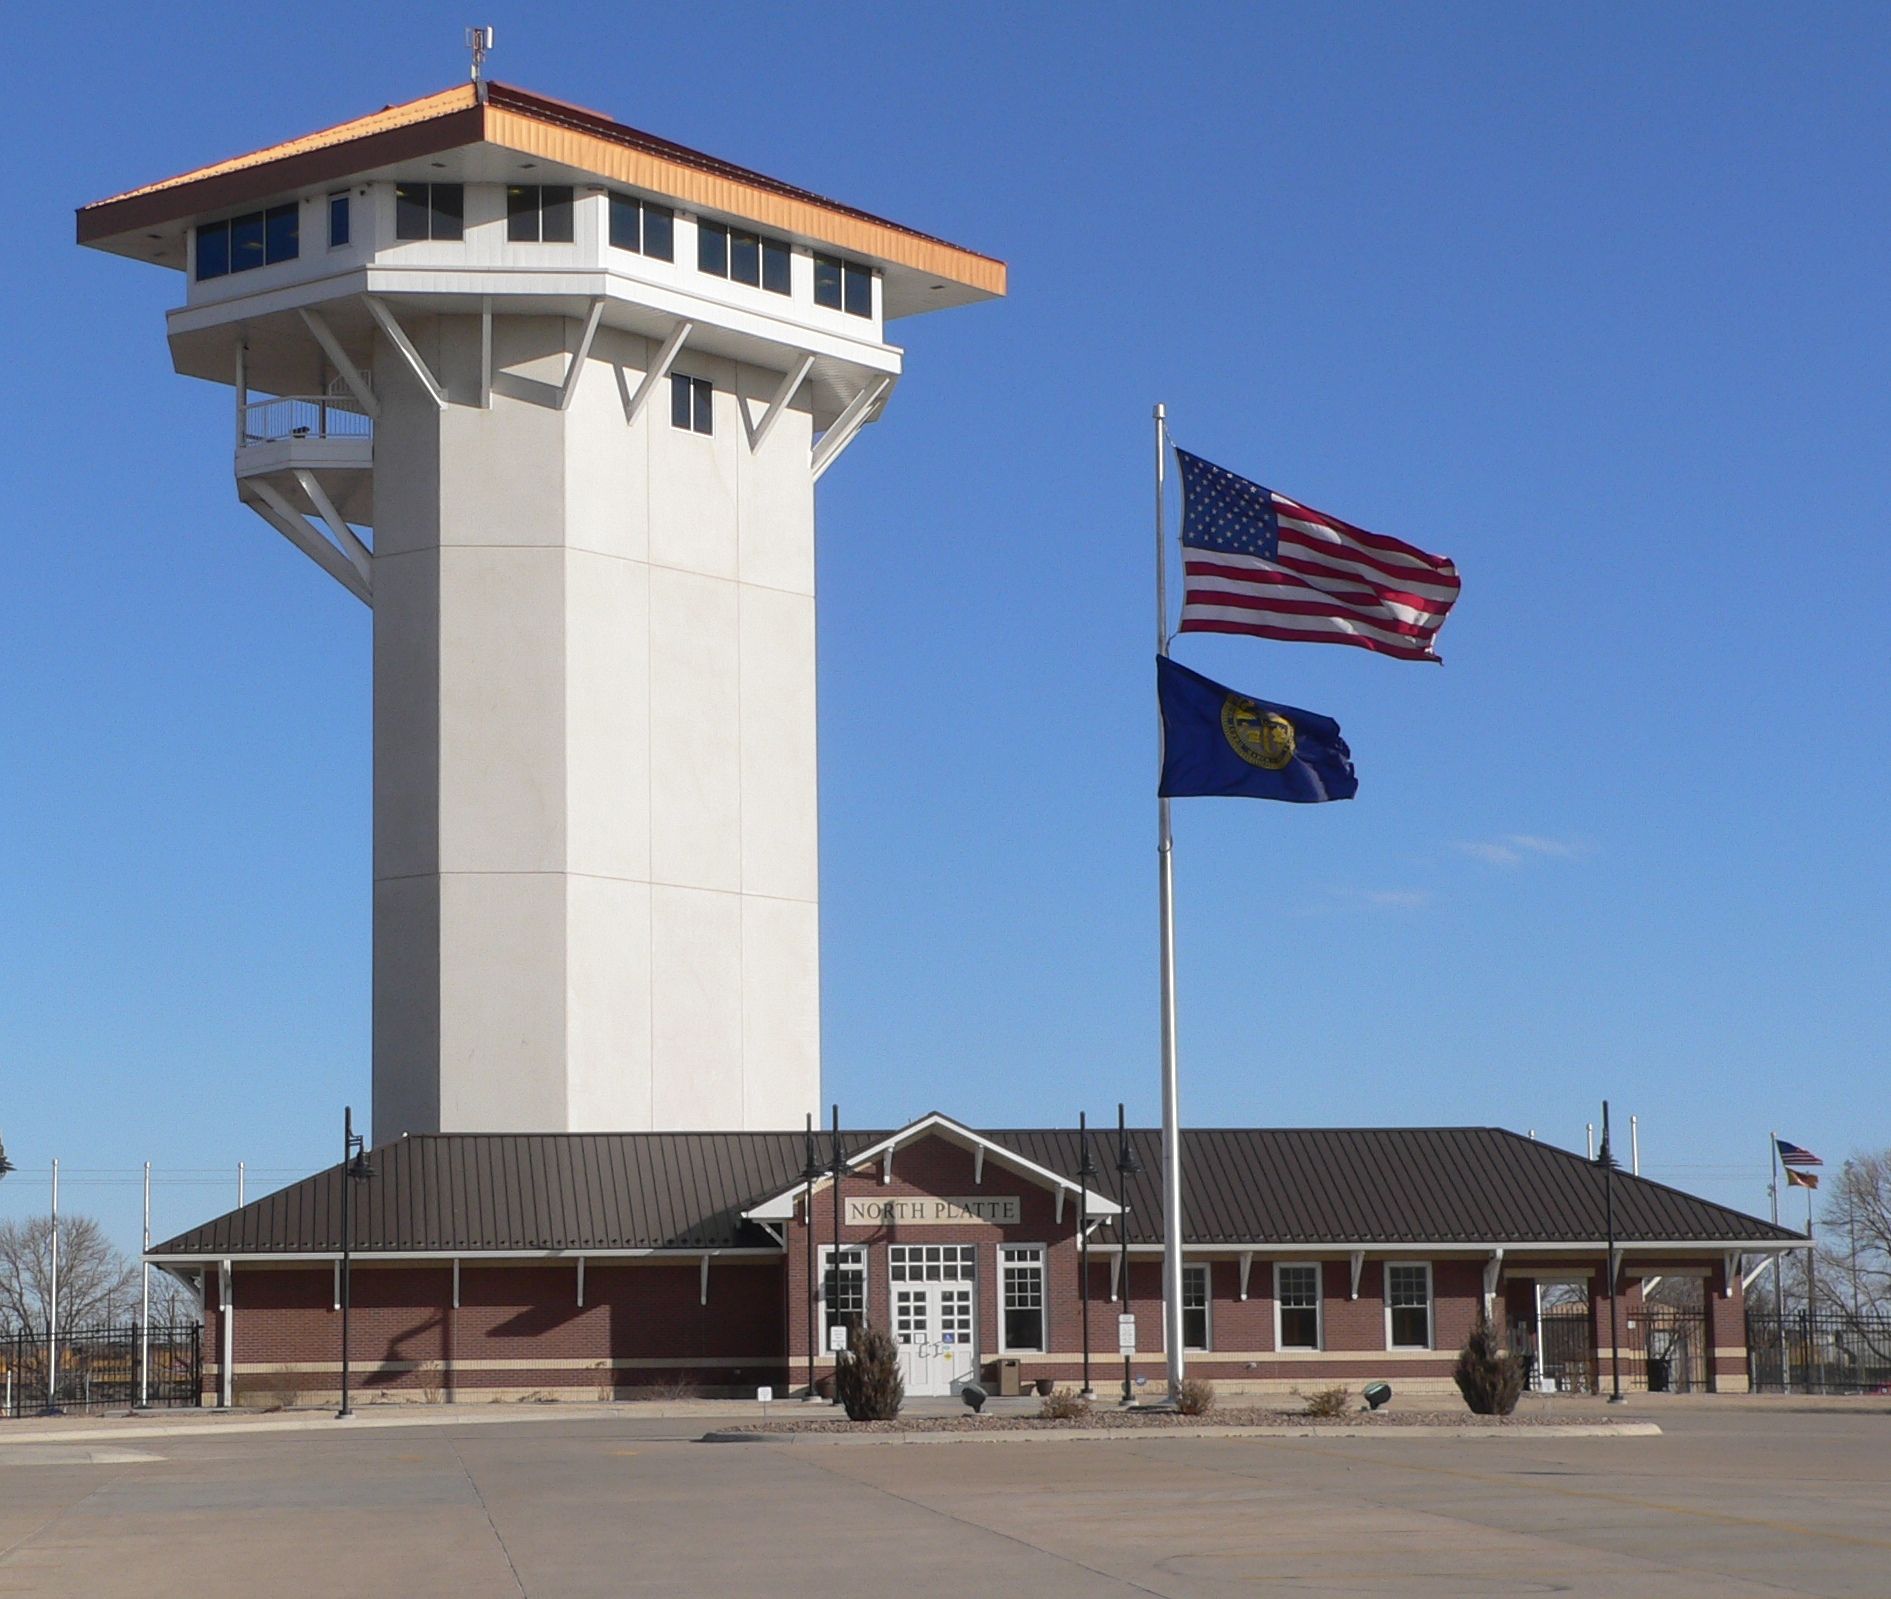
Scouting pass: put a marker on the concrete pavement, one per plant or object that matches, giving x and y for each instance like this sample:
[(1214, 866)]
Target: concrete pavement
[(1740, 1501)]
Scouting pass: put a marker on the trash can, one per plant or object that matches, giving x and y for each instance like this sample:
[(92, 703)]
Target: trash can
[(1660, 1375), (1010, 1384)]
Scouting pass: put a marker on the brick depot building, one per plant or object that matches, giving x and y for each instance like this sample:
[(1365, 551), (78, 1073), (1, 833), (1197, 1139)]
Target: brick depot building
[(587, 1265)]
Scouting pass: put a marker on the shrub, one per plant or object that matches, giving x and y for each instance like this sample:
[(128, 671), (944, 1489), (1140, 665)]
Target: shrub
[(669, 1391), (1063, 1405), (1489, 1377), (869, 1378), (1195, 1397), (1325, 1403)]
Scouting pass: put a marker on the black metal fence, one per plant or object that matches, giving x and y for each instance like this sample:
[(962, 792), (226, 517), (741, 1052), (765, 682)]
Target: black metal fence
[(101, 1368), (1818, 1352), (1668, 1350)]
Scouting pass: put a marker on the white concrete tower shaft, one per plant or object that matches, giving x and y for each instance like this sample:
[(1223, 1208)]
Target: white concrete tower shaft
[(552, 398)]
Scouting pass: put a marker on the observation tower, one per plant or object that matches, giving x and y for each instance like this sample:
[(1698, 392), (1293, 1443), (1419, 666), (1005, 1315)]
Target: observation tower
[(551, 397)]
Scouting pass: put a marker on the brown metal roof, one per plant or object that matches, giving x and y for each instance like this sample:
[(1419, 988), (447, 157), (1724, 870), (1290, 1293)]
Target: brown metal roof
[(551, 130), (1358, 1187)]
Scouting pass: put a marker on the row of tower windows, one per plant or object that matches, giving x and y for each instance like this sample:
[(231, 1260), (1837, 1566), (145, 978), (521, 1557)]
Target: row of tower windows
[(539, 213)]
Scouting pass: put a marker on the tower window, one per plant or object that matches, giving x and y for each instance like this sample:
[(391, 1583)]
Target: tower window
[(690, 404), (257, 238), (742, 257), (641, 227), (337, 220), (538, 213), (843, 285), (429, 211)]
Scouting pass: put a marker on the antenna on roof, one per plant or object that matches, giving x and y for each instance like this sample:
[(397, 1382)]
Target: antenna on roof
[(479, 41)]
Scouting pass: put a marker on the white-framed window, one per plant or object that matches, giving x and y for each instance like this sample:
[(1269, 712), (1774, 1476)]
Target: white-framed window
[(338, 220), (1022, 1327), (1408, 1304), (843, 1285), (691, 404), (1299, 1309), (1197, 1325), (539, 213)]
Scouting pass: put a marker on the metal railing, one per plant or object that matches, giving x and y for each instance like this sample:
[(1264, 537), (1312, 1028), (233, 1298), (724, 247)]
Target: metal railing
[(102, 1368), (1819, 1352), (303, 416)]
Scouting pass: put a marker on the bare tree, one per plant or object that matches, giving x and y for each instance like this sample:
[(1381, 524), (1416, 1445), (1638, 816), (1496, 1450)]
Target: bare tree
[(1854, 1270), (98, 1284)]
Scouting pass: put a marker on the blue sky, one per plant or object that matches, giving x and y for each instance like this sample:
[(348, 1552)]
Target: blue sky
[(1592, 301)]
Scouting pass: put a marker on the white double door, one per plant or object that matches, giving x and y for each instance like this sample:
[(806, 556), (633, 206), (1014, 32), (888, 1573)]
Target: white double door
[(935, 1315)]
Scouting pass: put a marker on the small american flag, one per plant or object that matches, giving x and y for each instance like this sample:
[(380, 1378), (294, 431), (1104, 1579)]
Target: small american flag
[(1254, 561), (1798, 1163)]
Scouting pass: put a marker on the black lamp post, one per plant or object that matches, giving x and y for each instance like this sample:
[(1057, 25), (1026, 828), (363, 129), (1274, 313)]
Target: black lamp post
[(810, 1175), (1606, 1160), (354, 1169), (837, 1167), (1086, 1175), (1127, 1166)]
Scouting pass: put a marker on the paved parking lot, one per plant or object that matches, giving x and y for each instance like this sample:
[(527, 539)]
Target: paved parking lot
[(1732, 1502)]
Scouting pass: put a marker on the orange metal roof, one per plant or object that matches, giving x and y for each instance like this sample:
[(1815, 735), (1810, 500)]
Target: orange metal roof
[(551, 130)]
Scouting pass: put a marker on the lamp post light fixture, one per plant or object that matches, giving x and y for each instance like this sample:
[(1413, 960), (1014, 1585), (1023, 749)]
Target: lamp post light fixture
[(1127, 1166), (810, 1175), (355, 1168), (1086, 1175)]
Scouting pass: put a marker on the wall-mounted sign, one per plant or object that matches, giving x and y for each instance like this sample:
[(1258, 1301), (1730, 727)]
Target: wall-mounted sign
[(1126, 1335), (1002, 1210)]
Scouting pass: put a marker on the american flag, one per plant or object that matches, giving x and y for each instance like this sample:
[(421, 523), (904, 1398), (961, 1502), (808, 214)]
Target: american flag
[(1254, 561), (1798, 1163)]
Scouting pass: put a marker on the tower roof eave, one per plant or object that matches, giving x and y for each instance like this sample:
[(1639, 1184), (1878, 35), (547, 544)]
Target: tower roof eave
[(550, 131)]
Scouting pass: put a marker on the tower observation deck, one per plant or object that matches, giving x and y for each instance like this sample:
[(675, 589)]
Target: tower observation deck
[(551, 397)]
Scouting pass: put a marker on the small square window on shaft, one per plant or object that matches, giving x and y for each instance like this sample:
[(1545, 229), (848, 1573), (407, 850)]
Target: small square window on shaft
[(690, 404)]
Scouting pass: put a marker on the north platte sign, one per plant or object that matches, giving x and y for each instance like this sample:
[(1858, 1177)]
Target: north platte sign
[(912, 1211)]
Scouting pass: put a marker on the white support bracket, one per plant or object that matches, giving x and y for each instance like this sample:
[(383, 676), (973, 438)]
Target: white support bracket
[(1116, 1275), (846, 425), (1650, 1284), (703, 1291), (978, 1166), (1247, 1265), (581, 1282), (397, 336), (349, 373), (1359, 1265), (359, 555), (1060, 1207), (1493, 1268), (886, 1164), (1730, 1270), (337, 1304), (580, 355), (456, 1282), (790, 386), (659, 370), (1752, 1277), (269, 504)]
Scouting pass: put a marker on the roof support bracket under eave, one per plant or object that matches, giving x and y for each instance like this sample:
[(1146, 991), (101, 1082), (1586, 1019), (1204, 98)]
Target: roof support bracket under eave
[(1493, 1268), (580, 355), (1730, 1269), (790, 386), (1247, 1265), (1060, 1206), (978, 1167), (349, 373), (1359, 1265), (1751, 1277), (581, 1282), (703, 1288), (659, 370), (397, 336), (846, 425), (1116, 1275)]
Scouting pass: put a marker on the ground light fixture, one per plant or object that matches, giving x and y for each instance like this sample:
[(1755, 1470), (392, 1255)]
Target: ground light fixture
[(355, 1168), (1127, 1166), (1377, 1395)]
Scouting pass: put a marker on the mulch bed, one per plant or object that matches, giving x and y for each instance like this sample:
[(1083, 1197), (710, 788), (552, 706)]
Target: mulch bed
[(1156, 1421)]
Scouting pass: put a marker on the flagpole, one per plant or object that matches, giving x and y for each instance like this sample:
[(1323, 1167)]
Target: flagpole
[(1779, 1274), (1165, 877)]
